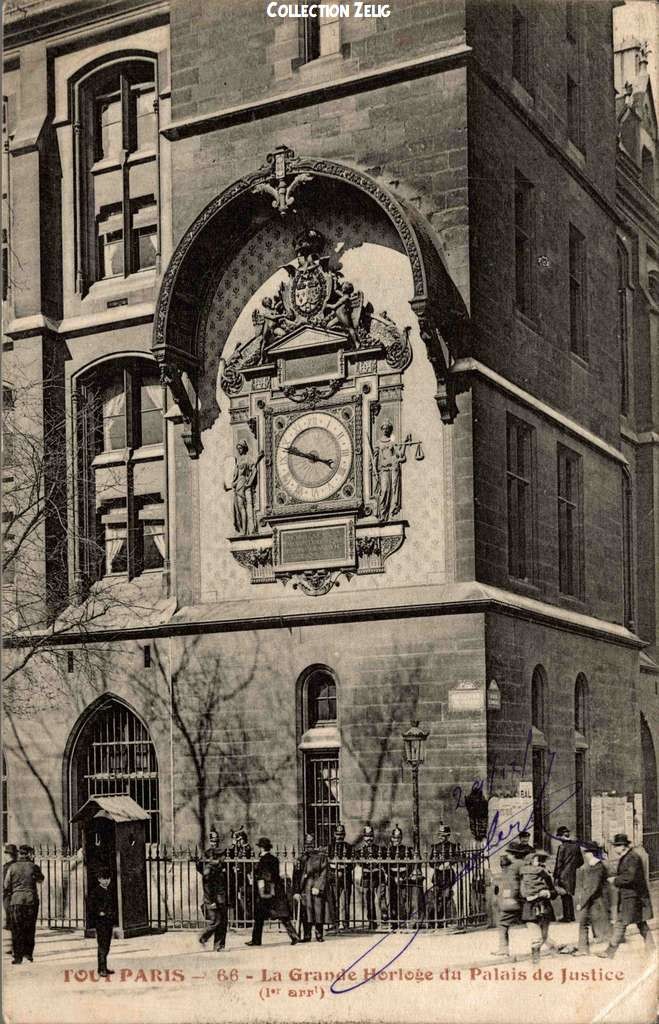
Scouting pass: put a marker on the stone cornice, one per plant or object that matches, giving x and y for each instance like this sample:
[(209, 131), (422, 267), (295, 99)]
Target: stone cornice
[(362, 81), (469, 598), (55, 22), (123, 316), (542, 408)]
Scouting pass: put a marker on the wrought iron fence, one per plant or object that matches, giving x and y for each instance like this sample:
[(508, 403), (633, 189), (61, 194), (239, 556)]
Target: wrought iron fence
[(361, 894)]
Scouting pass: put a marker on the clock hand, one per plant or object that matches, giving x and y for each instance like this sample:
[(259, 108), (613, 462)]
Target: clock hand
[(311, 456)]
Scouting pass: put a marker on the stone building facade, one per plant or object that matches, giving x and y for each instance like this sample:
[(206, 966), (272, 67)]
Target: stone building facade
[(324, 317)]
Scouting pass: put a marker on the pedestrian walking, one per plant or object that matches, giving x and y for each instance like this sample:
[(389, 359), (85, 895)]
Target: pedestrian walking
[(592, 899), (634, 906), (103, 917), (508, 896), (537, 891), (310, 883), (568, 859), (20, 891), (270, 895), (213, 872)]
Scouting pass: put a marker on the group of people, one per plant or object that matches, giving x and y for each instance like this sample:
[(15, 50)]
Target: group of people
[(586, 883), (389, 876)]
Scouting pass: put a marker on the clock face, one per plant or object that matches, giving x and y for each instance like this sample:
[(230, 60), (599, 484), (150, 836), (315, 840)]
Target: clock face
[(314, 456)]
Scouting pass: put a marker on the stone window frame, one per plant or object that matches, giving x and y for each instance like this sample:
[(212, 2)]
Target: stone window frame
[(581, 733), (318, 36), (320, 743), (521, 489), (623, 265), (628, 602), (577, 292), (129, 216), (127, 520), (569, 498), (521, 45), (524, 220)]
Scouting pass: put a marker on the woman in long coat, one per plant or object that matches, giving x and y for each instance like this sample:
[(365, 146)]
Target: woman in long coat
[(271, 899)]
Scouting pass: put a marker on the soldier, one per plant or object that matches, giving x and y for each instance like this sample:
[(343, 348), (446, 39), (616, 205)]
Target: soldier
[(310, 883), (213, 871), (239, 854), (398, 875), (440, 904), (341, 875), (369, 874)]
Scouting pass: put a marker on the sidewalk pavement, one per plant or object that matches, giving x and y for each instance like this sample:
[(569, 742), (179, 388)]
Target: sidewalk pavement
[(443, 977)]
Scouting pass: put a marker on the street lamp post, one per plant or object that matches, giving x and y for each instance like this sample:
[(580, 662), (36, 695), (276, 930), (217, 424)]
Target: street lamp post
[(414, 740)]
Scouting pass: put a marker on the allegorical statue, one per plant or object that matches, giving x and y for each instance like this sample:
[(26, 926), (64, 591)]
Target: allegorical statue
[(388, 455), (243, 486)]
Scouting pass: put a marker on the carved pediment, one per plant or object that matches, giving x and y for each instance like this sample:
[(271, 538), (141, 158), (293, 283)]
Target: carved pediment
[(304, 339)]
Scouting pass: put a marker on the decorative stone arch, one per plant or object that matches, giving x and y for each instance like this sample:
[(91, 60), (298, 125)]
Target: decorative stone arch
[(227, 222), (126, 776)]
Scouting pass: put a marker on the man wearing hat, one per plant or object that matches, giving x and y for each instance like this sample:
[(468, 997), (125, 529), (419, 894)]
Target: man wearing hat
[(103, 917), (10, 854), (398, 873), (635, 906), (568, 859), (524, 843), (368, 872), (310, 885), (239, 854), (20, 891), (537, 892), (440, 905), (591, 898), (213, 872), (270, 895), (508, 895), (341, 874)]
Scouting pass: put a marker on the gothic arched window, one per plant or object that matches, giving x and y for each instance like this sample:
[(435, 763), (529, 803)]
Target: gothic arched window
[(581, 729), (114, 755)]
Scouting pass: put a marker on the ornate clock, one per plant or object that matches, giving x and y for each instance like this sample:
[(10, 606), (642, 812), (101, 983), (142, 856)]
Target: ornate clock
[(313, 457), (316, 397)]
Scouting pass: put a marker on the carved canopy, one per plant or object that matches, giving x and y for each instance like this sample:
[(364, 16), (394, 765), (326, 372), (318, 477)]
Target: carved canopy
[(230, 218)]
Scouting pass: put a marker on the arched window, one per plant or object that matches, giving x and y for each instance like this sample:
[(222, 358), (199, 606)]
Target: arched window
[(623, 342), (627, 549), (581, 730), (650, 796), (5, 810), (320, 748), (114, 755), (647, 170), (116, 120), (539, 746), (538, 698), (120, 469)]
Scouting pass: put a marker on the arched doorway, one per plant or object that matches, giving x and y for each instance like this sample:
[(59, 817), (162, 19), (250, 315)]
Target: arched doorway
[(650, 797), (113, 755)]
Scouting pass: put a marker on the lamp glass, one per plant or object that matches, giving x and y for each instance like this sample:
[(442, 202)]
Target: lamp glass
[(414, 740)]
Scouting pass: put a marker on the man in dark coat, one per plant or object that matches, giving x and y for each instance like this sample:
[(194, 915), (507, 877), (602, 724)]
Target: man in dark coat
[(341, 875), (103, 917), (20, 891), (270, 895), (634, 905), (369, 875), (568, 859), (524, 843), (440, 904), (591, 898), (398, 874), (507, 891), (213, 872), (239, 854), (10, 855), (310, 883)]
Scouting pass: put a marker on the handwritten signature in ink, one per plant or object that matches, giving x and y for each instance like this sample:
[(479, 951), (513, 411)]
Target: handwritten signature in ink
[(496, 839)]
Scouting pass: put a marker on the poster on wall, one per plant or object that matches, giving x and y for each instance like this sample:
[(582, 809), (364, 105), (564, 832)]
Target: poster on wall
[(322, 545)]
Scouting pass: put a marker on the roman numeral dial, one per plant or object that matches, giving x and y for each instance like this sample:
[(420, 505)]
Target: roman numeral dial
[(314, 456)]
